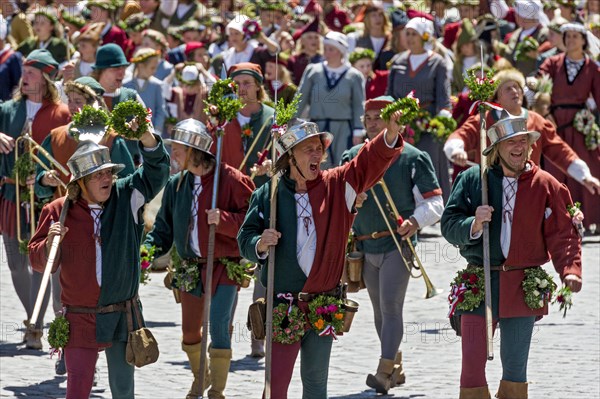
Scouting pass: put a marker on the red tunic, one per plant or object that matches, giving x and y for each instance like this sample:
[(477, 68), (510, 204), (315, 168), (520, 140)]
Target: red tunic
[(377, 85), (586, 84)]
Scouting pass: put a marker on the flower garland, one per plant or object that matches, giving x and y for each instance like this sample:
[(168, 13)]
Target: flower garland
[(360, 54), (222, 104), (145, 56), (564, 297), (146, 259), (585, 123), (326, 315), (409, 106), (466, 290), (288, 322), (524, 47), (251, 29), (186, 274), (58, 335), (124, 113), (538, 286), (238, 271)]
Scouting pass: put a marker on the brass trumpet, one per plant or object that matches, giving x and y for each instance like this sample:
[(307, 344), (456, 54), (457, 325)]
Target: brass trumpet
[(431, 289), (25, 144)]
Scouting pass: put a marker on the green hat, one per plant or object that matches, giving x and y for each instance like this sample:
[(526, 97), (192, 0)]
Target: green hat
[(110, 56), (467, 33), (89, 83), (42, 60)]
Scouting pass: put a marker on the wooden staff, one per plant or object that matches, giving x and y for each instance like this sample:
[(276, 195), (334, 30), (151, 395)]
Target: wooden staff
[(54, 245), (209, 265), (489, 333)]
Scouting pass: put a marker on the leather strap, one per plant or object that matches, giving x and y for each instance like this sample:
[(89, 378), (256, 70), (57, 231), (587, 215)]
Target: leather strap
[(338, 291), (374, 236), (138, 317), (115, 307), (500, 268)]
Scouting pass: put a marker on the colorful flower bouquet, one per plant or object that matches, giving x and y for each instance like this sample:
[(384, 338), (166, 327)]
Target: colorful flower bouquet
[(146, 259), (466, 290), (326, 315), (409, 106), (251, 29), (186, 275), (440, 127), (480, 88), (288, 324), (222, 104), (564, 297), (585, 123), (538, 286), (124, 113), (574, 211)]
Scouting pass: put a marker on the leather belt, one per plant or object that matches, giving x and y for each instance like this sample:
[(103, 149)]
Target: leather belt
[(338, 291), (7, 180), (374, 235), (500, 268), (198, 261), (115, 307)]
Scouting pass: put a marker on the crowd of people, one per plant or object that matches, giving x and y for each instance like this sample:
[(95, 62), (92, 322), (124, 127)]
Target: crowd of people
[(342, 63)]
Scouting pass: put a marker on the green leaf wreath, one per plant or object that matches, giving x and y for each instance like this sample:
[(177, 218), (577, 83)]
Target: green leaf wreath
[(88, 117), (58, 333), (409, 106), (467, 289), (222, 104), (124, 113), (538, 286), (524, 47), (326, 315), (24, 167), (288, 328), (285, 112)]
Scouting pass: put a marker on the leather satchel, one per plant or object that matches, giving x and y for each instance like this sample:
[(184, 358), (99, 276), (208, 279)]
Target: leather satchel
[(142, 348), (257, 318)]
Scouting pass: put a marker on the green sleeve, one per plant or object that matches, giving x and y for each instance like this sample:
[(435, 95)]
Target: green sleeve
[(460, 210), (254, 224), (40, 190), (161, 235), (424, 176), (120, 154)]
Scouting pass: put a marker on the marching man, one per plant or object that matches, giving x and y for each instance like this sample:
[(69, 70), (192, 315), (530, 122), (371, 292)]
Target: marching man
[(315, 210), (417, 195), (100, 257), (529, 224)]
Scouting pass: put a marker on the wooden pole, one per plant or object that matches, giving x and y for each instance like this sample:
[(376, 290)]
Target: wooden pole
[(54, 245), (212, 229), (489, 333)]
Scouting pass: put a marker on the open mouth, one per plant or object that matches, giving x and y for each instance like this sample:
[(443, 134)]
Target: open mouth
[(313, 167), (517, 156)]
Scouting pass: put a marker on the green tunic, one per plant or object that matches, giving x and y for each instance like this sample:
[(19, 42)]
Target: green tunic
[(412, 168)]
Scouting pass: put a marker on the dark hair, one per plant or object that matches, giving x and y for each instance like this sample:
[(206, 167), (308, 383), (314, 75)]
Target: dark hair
[(585, 40), (198, 158)]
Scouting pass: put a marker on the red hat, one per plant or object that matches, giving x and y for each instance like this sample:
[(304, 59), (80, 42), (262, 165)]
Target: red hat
[(282, 59), (414, 14), (247, 68), (366, 9), (379, 103), (311, 27), (191, 46)]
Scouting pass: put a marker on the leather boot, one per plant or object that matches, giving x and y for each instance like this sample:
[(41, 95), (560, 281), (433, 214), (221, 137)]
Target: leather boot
[(512, 390), (193, 353), (398, 377), (475, 393), (258, 348), (382, 381), (34, 338), (220, 360)]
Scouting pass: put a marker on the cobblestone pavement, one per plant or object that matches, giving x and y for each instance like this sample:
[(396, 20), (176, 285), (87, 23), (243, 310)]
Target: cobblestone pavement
[(564, 360)]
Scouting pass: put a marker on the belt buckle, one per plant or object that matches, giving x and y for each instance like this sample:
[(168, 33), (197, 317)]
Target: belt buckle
[(374, 235), (304, 297), (504, 268)]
